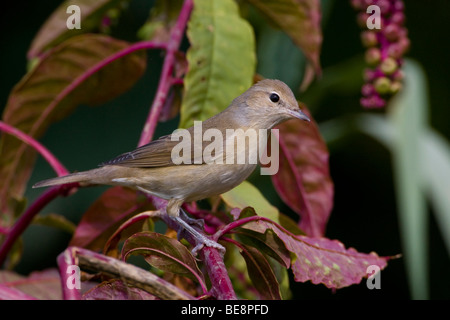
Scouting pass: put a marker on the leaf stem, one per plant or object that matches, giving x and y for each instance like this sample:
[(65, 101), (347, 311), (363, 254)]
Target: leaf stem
[(166, 79), (26, 218), (51, 159)]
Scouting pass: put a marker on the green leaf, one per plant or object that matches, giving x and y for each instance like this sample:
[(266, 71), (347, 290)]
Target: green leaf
[(407, 111), (436, 177), (163, 17), (247, 195), (300, 19), (65, 78), (164, 253), (261, 273), (54, 31), (221, 59), (56, 221)]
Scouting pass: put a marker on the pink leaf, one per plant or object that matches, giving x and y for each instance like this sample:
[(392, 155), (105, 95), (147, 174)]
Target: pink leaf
[(104, 217), (116, 290), (303, 180), (321, 260)]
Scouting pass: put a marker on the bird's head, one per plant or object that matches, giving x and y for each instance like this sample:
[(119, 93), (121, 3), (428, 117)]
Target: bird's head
[(271, 102)]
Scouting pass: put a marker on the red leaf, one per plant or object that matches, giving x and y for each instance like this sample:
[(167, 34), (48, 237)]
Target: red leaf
[(44, 285), (104, 217), (303, 180), (321, 260)]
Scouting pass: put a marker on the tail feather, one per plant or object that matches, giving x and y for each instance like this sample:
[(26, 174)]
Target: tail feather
[(71, 178)]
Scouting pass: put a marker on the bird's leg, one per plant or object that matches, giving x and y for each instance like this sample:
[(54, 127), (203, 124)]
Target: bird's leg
[(200, 239), (198, 223)]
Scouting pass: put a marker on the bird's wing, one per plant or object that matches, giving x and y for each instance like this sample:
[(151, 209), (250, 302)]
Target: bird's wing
[(157, 153)]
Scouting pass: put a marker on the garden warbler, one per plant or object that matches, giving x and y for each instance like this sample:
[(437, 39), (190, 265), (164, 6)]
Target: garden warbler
[(151, 168)]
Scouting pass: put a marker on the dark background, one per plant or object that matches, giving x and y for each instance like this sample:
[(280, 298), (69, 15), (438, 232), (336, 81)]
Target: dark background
[(365, 214)]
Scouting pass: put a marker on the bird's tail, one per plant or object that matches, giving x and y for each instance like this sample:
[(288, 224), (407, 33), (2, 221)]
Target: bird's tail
[(81, 177)]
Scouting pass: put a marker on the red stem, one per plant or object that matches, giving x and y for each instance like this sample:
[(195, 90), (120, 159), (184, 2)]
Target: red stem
[(166, 80), (26, 218), (235, 224), (51, 159), (221, 286)]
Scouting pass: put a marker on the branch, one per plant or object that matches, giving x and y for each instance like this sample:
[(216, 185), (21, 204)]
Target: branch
[(166, 81), (129, 273)]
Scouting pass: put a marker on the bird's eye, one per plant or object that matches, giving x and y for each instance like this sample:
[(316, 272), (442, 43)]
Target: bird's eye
[(274, 97)]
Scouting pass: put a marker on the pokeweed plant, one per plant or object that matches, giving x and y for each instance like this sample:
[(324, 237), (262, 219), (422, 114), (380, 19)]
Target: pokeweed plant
[(69, 67)]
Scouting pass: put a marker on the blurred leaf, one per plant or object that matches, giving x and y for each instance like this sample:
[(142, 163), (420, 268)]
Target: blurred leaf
[(104, 216), (261, 273), (321, 260), (117, 290), (221, 59), (164, 253), (15, 254), (300, 19), (52, 90), (54, 31), (247, 195), (275, 45), (342, 79), (43, 285), (56, 221), (163, 17), (435, 152), (407, 112), (303, 180)]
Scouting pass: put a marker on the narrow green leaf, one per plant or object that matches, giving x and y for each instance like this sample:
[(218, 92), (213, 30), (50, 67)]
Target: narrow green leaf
[(54, 31), (221, 59), (436, 178), (407, 111)]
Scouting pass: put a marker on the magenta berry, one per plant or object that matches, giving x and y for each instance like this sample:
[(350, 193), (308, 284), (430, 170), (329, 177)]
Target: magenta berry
[(385, 48)]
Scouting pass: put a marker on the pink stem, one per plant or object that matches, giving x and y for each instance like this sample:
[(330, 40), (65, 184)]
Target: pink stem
[(235, 224), (165, 81), (65, 260), (26, 218), (51, 159), (221, 287)]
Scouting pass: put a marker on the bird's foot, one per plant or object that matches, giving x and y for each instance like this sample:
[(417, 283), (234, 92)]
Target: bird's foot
[(200, 238)]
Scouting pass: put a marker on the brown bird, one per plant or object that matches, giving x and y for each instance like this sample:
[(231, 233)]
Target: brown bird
[(151, 168)]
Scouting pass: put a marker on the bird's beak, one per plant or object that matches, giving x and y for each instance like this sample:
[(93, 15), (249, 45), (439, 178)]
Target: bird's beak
[(299, 114)]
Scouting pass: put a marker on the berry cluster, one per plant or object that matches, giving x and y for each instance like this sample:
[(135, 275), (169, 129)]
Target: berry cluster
[(385, 49)]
